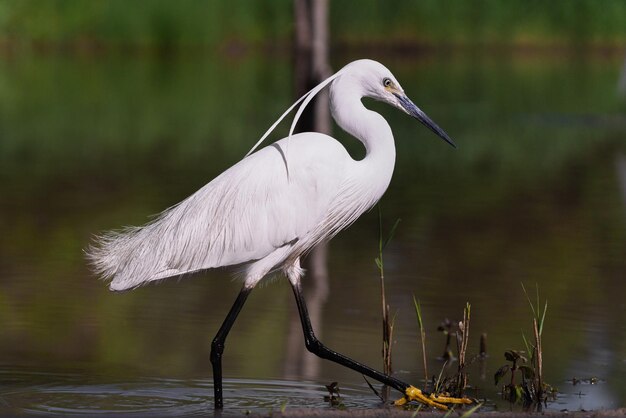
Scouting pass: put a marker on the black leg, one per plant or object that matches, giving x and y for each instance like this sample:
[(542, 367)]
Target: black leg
[(319, 349), (217, 346)]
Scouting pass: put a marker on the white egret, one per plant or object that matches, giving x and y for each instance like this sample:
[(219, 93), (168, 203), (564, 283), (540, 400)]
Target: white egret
[(273, 206)]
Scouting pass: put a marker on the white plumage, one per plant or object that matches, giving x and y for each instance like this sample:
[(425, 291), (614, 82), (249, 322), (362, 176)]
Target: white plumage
[(271, 207), (274, 205)]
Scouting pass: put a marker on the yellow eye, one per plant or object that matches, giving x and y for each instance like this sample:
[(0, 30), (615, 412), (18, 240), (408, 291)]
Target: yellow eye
[(386, 82)]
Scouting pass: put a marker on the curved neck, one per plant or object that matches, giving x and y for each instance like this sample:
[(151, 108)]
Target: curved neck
[(366, 125)]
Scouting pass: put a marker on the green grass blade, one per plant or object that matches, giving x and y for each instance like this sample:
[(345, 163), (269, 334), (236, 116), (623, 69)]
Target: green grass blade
[(391, 233), (526, 343), (469, 412), (380, 231), (532, 307), (543, 317), (447, 414), (538, 304), (418, 312), (438, 382)]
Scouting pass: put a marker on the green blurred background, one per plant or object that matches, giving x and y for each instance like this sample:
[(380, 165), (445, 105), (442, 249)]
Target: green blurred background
[(111, 111), (167, 24)]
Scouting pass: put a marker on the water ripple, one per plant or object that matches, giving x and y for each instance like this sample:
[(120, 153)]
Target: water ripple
[(72, 394)]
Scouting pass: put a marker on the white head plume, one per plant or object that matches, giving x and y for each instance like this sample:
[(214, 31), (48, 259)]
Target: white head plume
[(306, 99)]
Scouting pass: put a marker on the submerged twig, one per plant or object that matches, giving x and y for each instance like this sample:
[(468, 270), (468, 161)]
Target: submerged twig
[(483, 345)]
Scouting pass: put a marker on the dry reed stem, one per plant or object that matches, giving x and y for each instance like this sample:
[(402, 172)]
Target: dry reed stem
[(462, 343)]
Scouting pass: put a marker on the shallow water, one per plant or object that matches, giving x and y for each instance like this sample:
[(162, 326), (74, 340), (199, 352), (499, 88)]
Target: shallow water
[(72, 394), (63, 394), (536, 193)]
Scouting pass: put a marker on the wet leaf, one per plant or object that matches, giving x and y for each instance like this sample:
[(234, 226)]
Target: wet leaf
[(333, 388), (511, 355), (500, 373), (527, 371)]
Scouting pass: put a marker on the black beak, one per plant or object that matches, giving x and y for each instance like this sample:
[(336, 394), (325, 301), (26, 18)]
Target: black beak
[(414, 111)]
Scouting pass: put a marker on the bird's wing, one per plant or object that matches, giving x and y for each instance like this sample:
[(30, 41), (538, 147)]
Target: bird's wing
[(244, 214)]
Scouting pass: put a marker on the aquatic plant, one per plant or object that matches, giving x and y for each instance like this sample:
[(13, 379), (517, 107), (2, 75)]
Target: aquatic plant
[(442, 386), (462, 339), (531, 390), (456, 384), (387, 322), (539, 390), (418, 313), (334, 396), (513, 391), (446, 329)]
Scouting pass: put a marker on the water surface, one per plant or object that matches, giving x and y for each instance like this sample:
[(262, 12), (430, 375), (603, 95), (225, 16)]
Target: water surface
[(536, 193)]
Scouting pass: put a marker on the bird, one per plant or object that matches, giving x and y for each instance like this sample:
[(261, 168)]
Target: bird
[(264, 213)]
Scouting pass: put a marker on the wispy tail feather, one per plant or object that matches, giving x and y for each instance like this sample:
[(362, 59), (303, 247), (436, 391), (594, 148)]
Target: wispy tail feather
[(134, 256), (111, 254)]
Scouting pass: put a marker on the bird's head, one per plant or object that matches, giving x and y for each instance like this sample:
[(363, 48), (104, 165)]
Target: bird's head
[(376, 81), (366, 78)]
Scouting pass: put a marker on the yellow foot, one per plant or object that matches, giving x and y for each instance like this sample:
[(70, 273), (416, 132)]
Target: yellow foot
[(414, 394)]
